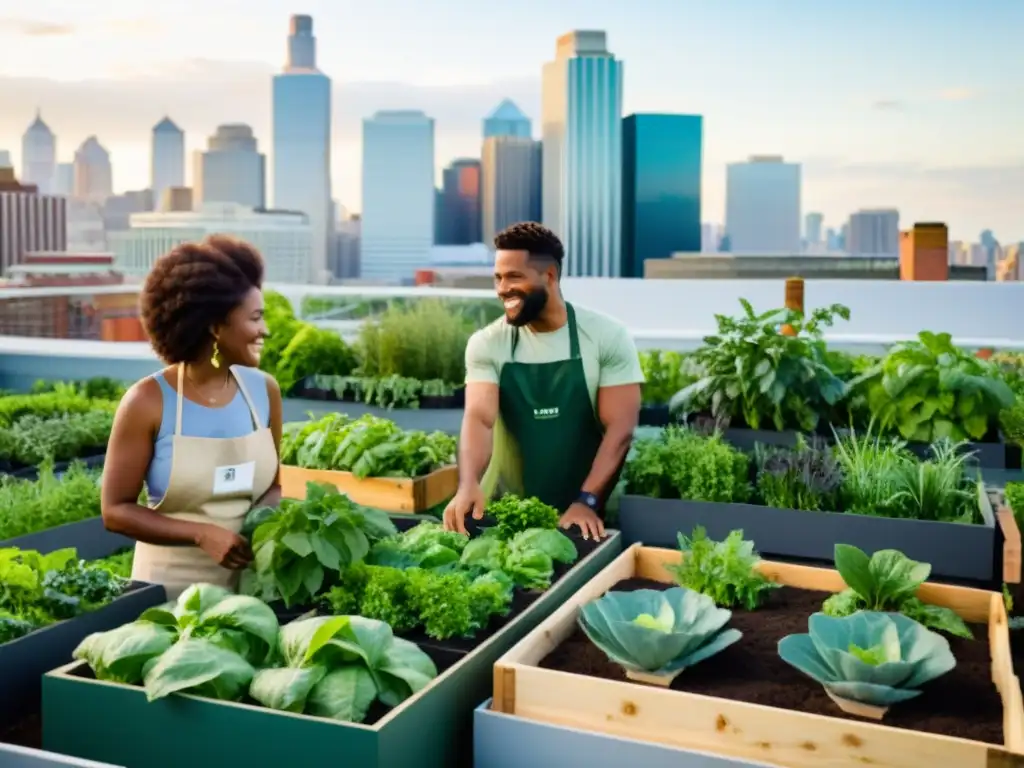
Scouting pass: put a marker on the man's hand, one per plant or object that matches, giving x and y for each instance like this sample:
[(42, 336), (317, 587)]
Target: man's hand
[(468, 500), (588, 521)]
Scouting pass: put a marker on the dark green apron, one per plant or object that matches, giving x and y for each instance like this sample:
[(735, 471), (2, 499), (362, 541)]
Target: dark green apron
[(546, 408)]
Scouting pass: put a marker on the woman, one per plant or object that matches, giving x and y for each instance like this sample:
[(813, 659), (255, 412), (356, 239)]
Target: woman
[(203, 433)]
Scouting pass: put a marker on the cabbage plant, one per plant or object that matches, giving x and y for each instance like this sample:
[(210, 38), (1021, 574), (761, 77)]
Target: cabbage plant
[(654, 635), (868, 658)]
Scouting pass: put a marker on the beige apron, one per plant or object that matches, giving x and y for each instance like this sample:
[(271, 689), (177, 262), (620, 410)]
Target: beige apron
[(214, 481)]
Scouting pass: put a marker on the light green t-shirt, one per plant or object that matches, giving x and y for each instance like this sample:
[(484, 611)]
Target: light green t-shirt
[(609, 355)]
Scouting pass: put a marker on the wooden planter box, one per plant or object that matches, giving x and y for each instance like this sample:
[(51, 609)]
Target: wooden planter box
[(392, 494), (538, 745), (433, 729), (24, 661), (89, 537), (738, 729), (954, 550)]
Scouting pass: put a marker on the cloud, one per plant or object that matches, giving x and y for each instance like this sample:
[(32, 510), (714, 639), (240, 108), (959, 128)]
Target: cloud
[(35, 27), (888, 105), (200, 94)]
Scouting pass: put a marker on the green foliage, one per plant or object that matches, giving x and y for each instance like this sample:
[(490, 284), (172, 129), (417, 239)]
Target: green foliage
[(681, 464), (424, 341), (367, 447), (725, 571), (1015, 500), (888, 581), (34, 439), (37, 590), (119, 563), (753, 372), (664, 375), (301, 545), (928, 390), (807, 477), (313, 351), (27, 506), (514, 515)]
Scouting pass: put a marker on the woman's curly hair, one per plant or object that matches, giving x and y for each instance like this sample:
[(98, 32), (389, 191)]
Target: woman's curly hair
[(193, 288)]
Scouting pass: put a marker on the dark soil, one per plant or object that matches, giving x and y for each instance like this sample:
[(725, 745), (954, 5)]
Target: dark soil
[(26, 732), (962, 703)]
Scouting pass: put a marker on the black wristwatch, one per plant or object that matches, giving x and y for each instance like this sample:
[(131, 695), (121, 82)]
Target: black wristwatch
[(589, 500)]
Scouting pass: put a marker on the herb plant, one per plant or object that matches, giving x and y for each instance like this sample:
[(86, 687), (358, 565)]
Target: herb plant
[(752, 372), (929, 389), (807, 477), (665, 373), (27, 506), (888, 580), (681, 464), (725, 571), (300, 545)]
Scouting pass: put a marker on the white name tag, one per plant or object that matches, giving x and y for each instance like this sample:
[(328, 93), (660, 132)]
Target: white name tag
[(234, 478)]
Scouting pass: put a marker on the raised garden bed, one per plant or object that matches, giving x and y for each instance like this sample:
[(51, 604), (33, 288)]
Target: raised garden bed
[(747, 703), (23, 472), (309, 390), (432, 729), (24, 661), (543, 744), (392, 494), (955, 550), (89, 537), (23, 757)]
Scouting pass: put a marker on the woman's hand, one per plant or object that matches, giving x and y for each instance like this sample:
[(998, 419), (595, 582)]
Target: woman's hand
[(228, 549)]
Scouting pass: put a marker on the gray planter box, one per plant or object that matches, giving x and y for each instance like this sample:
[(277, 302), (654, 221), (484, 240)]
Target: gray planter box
[(24, 661), (954, 550), (507, 741), (89, 537), (745, 439), (23, 757)]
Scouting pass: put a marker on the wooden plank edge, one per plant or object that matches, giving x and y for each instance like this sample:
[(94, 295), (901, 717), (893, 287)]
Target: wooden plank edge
[(1011, 544)]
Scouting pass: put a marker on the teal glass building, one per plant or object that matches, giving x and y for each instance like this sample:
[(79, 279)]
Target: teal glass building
[(662, 160)]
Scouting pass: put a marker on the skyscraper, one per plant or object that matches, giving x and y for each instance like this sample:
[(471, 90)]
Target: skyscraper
[(38, 155), (231, 170), (398, 195), (29, 221), (662, 157), (94, 176), (302, 141), (582, 153), (5, 159), (874, 233), (168, 158), (510, 183), (507, 120), (762, 206), (460, 204), (812, 229)]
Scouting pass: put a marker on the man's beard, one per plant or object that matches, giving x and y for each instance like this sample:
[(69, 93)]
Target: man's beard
[(532, 305)]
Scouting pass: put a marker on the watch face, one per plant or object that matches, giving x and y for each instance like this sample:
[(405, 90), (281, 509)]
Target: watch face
[(590, 499)]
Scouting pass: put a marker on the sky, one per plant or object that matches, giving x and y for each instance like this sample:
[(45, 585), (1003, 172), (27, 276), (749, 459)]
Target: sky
[(913, 104)]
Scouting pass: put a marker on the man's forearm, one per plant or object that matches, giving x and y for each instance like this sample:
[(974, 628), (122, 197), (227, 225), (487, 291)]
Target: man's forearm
[(611, 455), (475, 443)]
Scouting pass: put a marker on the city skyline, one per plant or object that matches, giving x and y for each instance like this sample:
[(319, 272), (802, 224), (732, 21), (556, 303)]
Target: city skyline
[(910, 126)]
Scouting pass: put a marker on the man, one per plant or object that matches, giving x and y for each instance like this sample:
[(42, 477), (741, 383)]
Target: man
[(552, 392)]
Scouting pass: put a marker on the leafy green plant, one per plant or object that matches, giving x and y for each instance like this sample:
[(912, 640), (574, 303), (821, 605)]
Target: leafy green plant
[(657, 633), (32, 439), (312, 351), (664, 375), (725, 571), (423, 340), (807, 477), (929, 389), (871, 658), (119, 563), (1014, 492), (27, 506), (337, 666), (681, 464), (301, 545), (751, 371), (888, 581), (392, 391), (528, 558), (514, 515), (37, 590), (367, 447)]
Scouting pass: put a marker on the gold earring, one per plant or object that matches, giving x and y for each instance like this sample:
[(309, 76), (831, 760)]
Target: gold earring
[(215, 357)]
